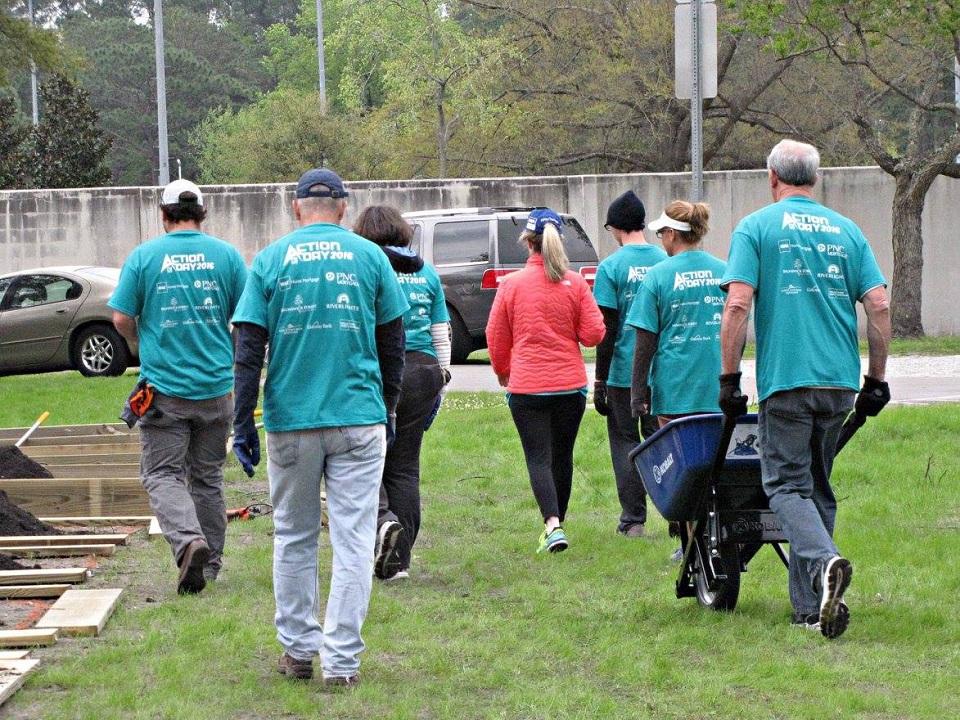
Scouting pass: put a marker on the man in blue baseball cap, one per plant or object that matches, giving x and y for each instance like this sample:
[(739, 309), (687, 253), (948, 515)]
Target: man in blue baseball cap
[(330, 307)]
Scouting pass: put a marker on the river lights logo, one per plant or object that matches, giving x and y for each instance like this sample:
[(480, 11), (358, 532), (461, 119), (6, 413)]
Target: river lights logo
[(185, 262)]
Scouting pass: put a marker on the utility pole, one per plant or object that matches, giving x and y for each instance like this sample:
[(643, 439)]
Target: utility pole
[(33, 75), (320, 60), (161, 93), (696, 106)]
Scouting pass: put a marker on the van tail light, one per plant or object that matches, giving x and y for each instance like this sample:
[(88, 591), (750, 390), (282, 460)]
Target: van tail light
[(589, 273), (491, 278)]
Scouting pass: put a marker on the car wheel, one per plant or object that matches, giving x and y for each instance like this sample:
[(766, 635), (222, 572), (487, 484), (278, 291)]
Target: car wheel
[(461, 345), (99, 351)]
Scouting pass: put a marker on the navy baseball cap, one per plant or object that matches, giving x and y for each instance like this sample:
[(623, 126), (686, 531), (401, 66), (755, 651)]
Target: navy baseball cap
[(540, 217), (321, 176)]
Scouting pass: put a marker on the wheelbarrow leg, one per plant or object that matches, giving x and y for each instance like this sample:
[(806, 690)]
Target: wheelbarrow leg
[(685, 586), (782, 555)]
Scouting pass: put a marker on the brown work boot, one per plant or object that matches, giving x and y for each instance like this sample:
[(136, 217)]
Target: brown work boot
[(634, 531), (295, 668), (342, 681), (191, 579)]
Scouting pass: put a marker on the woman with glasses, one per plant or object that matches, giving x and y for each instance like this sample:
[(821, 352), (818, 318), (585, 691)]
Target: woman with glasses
[(540, 317), (677, 313)]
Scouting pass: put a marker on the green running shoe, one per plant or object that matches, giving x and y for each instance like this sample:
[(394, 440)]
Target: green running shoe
[(554, 542)]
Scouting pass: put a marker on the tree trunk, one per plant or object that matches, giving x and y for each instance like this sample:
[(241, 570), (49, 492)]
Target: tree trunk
[(907, 282)]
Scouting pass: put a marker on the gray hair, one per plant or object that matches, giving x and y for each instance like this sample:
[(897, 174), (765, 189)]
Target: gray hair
[(795, 163)]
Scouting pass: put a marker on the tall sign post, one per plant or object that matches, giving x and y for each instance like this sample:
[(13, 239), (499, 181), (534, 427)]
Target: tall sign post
[(695, 73), (320, 58), (161, 93)]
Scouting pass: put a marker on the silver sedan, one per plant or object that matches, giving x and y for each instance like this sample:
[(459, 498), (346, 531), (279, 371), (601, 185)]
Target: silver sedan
[(57, 318)]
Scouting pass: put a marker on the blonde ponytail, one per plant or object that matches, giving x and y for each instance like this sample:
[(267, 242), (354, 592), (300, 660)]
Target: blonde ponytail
[(555, 260)]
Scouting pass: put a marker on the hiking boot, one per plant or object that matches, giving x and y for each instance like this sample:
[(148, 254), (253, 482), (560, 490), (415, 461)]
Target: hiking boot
[(295, 667), (554, 541), (810, 621), (637, 530), (342, 681), (191, 580), (834, 614), (385, 561)]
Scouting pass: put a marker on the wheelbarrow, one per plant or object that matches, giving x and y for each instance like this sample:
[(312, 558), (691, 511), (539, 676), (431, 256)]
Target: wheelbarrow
[(703, 473)]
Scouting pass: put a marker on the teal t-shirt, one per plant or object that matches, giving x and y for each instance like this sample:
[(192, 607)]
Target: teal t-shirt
[(183, 287), (320, 292), (681, 301), (618, 279), (809, 266), (428, 307)]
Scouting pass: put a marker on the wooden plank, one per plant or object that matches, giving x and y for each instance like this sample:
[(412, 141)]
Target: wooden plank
[(13, 654), (67, 431), (96, 459), (98, 520), (48, 551), (16, 592), (81, 612), (42, 452), (33, 637), (106, 539), (82, 440), (117, 470), (79, 496), (13, 673), (43, 576)]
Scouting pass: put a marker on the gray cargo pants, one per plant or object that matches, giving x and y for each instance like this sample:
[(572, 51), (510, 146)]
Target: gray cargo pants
[(181, 467)]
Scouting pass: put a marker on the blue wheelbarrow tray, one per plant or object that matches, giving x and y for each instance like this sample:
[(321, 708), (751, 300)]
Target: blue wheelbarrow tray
[(676, 462)]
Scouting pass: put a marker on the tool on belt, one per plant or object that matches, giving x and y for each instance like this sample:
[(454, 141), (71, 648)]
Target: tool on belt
[(138, 403), (249, 512)]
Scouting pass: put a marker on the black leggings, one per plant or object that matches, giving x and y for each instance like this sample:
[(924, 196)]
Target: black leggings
[(548, 426)]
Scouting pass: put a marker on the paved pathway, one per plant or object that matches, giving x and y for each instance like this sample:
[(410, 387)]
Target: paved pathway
[(914, 379)]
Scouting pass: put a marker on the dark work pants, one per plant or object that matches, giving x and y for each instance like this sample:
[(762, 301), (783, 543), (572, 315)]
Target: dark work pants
[(548, 426), (400, 489), (798, 440), (624, 433)]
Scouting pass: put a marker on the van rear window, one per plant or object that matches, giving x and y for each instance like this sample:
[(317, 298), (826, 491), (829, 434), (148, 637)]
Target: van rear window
[(577, 244), (461, 243)]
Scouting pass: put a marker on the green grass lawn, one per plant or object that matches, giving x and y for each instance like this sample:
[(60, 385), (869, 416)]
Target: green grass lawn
[(487, 629)]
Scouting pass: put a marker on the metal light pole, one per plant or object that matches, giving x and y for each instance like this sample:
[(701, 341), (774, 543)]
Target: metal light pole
[(320, 60), (33, 75), (161, 93), (696, 106)]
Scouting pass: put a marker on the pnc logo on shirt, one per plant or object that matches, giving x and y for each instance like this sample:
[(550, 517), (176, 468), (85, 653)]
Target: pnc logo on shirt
[(312, 251), (185, 262)]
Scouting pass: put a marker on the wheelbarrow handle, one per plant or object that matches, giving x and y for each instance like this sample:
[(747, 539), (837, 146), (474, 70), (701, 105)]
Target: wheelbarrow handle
[(854, 422), (729, 423)]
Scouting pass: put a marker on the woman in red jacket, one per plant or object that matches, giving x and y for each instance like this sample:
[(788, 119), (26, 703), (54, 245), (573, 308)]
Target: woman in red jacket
[(540, 317)]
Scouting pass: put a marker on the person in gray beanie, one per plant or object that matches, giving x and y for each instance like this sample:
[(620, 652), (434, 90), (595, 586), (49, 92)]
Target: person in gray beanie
[(619, 277)]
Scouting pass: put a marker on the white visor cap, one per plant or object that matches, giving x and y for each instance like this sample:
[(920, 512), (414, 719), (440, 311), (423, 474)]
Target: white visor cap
[(173, 191), (666, 221)]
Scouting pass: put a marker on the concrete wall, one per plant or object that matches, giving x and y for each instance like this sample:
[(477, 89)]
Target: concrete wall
[(100, 226)]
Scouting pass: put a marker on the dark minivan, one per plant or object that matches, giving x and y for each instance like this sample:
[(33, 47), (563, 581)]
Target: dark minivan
[(472, 248)]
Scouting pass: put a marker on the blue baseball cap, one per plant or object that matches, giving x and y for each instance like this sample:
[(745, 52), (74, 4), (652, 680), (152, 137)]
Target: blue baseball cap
[(540, 217), (321, 176)]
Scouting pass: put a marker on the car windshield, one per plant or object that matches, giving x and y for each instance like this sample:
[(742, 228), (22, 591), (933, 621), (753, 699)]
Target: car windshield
[(575, 241)]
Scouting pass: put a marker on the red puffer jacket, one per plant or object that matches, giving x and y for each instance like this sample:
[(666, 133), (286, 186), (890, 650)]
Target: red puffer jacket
[(536, 328)]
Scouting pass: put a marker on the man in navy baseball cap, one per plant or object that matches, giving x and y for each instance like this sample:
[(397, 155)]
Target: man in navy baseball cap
[(321, 183)]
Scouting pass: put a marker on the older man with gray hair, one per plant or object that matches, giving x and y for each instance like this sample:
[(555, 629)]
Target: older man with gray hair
[(807, 266)]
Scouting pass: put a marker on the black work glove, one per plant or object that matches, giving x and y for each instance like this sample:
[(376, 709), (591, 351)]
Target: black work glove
[(732, 402), (640, 404), (600, 398), (391, 429), (873, 396), (247, 449)]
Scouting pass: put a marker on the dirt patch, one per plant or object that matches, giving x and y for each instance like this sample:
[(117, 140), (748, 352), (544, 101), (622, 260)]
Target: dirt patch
[(14, 464), (14, 520), (8, 562)]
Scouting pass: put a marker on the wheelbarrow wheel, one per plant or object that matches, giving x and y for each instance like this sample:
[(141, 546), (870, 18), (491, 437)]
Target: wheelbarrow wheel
[(723, 596)]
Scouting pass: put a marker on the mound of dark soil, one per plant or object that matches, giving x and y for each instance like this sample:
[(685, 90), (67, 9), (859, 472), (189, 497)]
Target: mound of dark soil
[(14, 464), (7, 562), (14, 520)]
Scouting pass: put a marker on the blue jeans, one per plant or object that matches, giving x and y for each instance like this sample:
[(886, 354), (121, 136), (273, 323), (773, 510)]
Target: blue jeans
[(349, 460), (798, 441)]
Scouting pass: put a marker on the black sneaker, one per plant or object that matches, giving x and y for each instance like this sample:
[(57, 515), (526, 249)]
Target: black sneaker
[(834, 614), (191, 580), (295, 668), (385, 561)]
